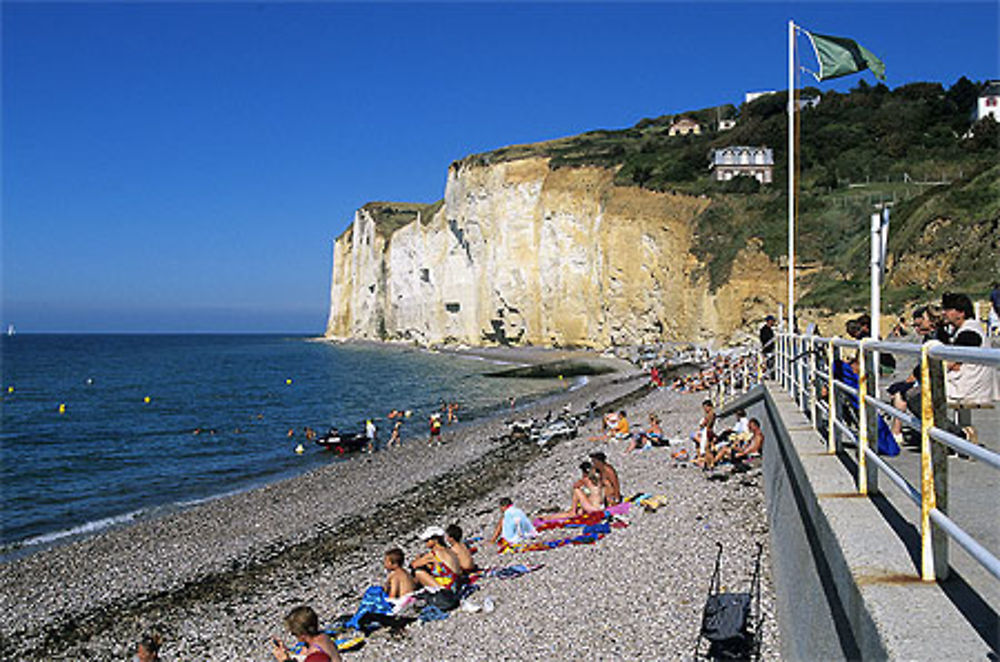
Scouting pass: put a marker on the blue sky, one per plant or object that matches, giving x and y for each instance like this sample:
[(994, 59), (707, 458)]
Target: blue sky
[(185, 167)]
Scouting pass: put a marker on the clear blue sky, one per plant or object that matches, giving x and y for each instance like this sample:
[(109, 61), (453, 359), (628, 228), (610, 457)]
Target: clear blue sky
[(185, 167)]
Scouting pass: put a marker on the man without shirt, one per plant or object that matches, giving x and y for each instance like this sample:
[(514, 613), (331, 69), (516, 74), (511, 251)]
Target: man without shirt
[(453, 536), (609, 479)]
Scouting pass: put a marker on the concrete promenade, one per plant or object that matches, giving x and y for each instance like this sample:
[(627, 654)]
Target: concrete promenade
[(846, 568)]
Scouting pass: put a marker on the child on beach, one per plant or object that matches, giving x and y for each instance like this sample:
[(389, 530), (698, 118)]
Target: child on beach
[(514, 526), (303, 623), (398, 583)]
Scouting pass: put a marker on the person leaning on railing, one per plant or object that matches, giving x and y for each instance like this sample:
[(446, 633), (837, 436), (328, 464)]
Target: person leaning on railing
[(929, 323)]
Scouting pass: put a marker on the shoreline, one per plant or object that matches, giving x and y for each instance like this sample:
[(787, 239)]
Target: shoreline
[(218, 578), (161, 558), (86, 529)]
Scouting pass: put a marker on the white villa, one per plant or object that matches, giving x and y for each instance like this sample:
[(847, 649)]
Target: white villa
[(729, 162), (988, 103)]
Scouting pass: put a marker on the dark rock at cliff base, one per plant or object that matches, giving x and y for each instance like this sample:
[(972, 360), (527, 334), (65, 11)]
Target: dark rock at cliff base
[(566, 368)]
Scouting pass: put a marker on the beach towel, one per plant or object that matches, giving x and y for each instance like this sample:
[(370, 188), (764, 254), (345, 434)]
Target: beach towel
[(512, 571), (374, 601), (587, 519), (543, 546)]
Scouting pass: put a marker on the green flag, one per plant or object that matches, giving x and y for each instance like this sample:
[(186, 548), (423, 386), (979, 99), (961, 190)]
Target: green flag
[(839, 56)]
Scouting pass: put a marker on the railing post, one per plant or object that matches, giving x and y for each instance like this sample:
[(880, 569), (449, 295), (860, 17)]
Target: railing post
[(933, 469), (865, 477), (831, 394), (812, 382)]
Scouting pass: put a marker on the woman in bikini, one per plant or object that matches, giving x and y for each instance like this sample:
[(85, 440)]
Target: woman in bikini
[(439, 567), (588, 497)]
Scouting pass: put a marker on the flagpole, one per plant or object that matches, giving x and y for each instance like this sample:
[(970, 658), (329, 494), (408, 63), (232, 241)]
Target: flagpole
[(791, 176)]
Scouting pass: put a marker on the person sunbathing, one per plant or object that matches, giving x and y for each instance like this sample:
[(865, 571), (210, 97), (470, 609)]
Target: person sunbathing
[(453, 536), (653, 436), (588, 497), (438, 568), (740, 450), (303, 623), (610, 484)]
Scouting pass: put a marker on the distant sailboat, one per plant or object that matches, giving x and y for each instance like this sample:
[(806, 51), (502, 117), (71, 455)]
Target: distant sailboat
[(10, 330)]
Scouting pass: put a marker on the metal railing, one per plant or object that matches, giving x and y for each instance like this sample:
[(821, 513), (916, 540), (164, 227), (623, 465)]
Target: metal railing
[(806, 368)]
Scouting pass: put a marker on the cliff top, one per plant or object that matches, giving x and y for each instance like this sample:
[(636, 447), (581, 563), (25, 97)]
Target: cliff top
[(390, 216)]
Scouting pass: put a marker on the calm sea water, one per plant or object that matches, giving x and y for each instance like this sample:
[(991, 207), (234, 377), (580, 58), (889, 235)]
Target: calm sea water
[(110, 456)]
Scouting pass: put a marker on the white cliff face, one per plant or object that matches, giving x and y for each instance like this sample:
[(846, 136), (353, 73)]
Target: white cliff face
[(524, 254)]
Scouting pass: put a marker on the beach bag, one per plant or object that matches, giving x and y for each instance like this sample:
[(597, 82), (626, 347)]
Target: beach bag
[(725, 623), (445, 599)]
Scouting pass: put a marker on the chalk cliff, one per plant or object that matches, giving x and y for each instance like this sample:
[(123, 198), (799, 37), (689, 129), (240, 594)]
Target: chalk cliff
[(522, 253)]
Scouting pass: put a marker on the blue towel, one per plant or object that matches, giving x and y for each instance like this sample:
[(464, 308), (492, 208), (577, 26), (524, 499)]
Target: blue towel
[(375, 601), (432, 613)]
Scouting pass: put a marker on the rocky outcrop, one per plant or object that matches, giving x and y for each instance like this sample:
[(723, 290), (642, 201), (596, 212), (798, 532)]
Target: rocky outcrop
[(520, 253)]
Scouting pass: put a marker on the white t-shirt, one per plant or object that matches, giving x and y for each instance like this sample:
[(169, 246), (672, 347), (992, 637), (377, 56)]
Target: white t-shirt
[(972, 383)]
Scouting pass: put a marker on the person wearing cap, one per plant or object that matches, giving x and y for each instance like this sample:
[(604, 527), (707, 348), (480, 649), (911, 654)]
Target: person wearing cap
[(609, 479), (767, 341), (438, 568), (514, 526)]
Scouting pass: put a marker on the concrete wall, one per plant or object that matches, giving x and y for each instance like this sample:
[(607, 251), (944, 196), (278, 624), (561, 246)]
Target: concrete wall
[(847, 586)]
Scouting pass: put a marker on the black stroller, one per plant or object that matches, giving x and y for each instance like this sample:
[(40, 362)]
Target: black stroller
[(731, 622)]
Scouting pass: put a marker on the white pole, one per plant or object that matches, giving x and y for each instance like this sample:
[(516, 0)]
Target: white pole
[(876, 289), (791, 177)]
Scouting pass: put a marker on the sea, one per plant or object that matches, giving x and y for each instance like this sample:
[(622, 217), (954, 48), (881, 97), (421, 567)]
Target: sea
[(100, 430)]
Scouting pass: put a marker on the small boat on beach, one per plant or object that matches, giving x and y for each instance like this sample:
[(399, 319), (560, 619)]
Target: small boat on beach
[(342, 442)]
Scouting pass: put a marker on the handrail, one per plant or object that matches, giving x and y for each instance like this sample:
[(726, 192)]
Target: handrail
[(803, 378)]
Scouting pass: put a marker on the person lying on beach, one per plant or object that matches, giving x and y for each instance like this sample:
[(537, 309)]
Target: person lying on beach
[(438, 568), (653, 436), (514, 526), (741, 449), (609, 479), (453, 536), (398, 583), (303, 623), (147, 649)]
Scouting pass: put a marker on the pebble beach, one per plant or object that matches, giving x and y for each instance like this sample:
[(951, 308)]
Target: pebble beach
[(217, 579)]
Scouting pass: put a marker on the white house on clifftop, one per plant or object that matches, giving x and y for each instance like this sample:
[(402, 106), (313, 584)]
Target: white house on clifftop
[(988, 104), (729, 162)]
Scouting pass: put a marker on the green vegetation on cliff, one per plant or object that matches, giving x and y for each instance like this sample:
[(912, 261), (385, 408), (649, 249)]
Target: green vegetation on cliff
[(910, 146), (391, 216)]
